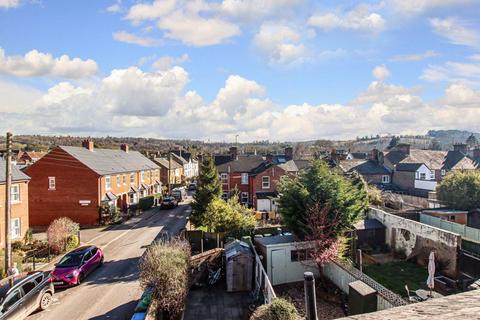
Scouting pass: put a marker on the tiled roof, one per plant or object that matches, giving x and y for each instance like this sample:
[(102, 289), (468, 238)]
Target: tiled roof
[(359, 155), (183, 154), (409, 167), (164, 163), (434, 159), (364, 167), (455, 307), (109, 161), (178, 159), (17, 175), (220, 159), (243, 163)]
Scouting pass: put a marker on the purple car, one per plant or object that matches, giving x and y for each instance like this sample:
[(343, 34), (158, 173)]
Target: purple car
[(76, 265)]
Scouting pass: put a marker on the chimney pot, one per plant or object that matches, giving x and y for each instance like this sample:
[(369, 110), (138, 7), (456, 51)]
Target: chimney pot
[(404, 147), (233, 153), (124, 147), (374, 154), (88, 144)]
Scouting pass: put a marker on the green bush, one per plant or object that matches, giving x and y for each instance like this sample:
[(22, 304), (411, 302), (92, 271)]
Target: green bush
[(165, 268), (146, 203), (17, 245), (279, 309), (72, 242), (59, 232), (17, 258)]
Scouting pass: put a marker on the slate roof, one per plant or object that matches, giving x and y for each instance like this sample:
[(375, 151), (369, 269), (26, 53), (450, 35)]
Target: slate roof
[(163, 162), (359, 155), (289, 166), (110, 161), (433, 159), (364, 167), (17, 175), (409, 167), (184, 155), (221, 159), (458, 306), (178, 159), (244, 163)]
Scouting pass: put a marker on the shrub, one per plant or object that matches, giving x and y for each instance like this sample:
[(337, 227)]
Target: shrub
[(279, 309), (146, 203), (17, 246), (59, 232), (72, 242), (28, 238), (165, 268)]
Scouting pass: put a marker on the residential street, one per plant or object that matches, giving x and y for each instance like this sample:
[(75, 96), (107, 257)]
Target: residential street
[(112, 291)]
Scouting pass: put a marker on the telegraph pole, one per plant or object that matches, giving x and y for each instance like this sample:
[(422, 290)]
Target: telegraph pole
[(8, 205), (169, 170)]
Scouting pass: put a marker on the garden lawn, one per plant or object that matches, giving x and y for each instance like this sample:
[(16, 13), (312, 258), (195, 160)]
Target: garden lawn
[(395, 275)]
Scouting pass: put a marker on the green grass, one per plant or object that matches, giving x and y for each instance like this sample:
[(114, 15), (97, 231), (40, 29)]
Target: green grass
[(395, 275)]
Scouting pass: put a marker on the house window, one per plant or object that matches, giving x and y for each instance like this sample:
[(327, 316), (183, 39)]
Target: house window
[(300, 255), (119, 180), (265, 182), (132, 178), (108, 183), (124, 179), (224, 177), (51, 183), (225, 195), (16, 230), (15, 193), (244, 198), (385, 179), (432, 175), (423, 176), (133, 198), (244, 178), (444, 172), (452, 218), (141, 176)]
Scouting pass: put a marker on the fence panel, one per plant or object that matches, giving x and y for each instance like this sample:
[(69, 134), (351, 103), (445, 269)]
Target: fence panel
[(468, 233)]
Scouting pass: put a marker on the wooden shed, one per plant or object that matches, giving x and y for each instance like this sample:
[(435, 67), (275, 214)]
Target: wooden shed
[(239, 260)]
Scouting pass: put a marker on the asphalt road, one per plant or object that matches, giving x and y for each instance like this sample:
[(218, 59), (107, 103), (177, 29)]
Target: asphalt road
[(113, 290)]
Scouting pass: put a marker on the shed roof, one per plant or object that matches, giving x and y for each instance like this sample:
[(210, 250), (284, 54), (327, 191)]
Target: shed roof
[(368, 224), (109, 161), (265, 241)]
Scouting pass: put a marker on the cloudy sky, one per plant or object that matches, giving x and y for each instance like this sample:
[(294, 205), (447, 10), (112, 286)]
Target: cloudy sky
[(260, 69)]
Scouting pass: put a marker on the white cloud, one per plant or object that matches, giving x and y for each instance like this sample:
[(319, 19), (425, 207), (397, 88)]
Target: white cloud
[(415, 56), (8, 4), (381, 72), (456, 31), (35, 63), (144, 11), (452, 71), (280, 44), (167, 62), (128, 37), (419, 6), (257, 10), (17, 98), (114, 8), (359, 18), (458, 94), (195, 30)]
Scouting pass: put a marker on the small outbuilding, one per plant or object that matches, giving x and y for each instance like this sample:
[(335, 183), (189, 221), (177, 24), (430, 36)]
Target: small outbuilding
[(285, 259), (369, 233), (239, 260)]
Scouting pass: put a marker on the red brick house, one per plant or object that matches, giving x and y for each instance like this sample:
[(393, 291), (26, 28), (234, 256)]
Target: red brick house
[(75, 181)]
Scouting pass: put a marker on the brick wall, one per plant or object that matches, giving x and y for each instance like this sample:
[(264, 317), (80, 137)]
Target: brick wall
[(73, 182), (274, 173), (19, 210), (404, 179)]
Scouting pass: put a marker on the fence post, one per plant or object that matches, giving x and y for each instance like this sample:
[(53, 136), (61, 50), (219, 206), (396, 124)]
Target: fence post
[(34, 261), (78, 235), (360, 260), (48, 253), (310, 298), (201, 244)]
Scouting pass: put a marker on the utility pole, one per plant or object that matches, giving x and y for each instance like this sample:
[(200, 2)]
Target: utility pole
[(8, 205), (169, 170)]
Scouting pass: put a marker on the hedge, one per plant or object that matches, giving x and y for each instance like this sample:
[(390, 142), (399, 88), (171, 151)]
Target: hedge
[(146, 203)]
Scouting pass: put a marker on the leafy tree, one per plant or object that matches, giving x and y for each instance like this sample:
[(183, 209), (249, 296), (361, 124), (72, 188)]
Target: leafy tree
[(345, 199), (209, 188), (228, 216), (461, 190), (393, 142), (279, 309)]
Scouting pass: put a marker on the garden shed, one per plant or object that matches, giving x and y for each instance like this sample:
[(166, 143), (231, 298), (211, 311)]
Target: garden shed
[(285, 259), (239, 260), (369, 233)]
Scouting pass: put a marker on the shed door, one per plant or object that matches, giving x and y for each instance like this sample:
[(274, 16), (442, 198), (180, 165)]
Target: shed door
[(263, 204), (278, 266)]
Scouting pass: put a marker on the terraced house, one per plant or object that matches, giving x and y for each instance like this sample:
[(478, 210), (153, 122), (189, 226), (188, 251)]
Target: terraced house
[(75, 181), (19, 199)]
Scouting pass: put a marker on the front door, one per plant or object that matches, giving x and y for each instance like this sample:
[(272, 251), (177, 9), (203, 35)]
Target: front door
[(278, 266)]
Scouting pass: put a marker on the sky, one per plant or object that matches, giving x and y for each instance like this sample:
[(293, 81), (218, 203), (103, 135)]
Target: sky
[(213, 70)]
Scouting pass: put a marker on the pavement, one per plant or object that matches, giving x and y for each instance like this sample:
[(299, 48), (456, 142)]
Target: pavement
[(113, 290)]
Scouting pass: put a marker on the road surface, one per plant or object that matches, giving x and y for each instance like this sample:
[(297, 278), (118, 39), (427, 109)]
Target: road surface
[(112, 291)]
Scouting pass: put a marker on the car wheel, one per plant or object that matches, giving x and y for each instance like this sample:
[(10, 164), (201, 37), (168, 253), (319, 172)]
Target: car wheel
[(80, 279), (101, 262), (45, 300)]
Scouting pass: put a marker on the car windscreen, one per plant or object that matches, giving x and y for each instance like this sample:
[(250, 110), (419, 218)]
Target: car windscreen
[(71, 260)]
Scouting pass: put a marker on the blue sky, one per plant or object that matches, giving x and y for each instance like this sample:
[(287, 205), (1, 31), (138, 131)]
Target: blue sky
[(262, 69)]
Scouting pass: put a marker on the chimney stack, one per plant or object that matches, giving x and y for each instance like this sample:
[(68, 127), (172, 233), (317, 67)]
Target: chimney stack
[(233, 153), (461, 147), (88, 144), (124, 147), (288, 153), (404, 148), (374, 154), (269, 158)]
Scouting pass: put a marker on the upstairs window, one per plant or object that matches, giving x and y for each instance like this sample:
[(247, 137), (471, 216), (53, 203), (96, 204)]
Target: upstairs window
[(108, 182), (423, 176), (15, 228), (244, 178), (444, 172), (15, 193), (224, 177), (385, 179), (142, 174), (265, 182), (124, 179), (51, 183), (119, 180), (132, 178)]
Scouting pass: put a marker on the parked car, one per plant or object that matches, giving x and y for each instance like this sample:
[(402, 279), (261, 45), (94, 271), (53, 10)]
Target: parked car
[(179, 194), (169, 203), (76, 265), (192, 186), (29, 293)]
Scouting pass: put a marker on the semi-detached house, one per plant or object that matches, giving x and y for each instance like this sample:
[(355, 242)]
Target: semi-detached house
[(19, 201), (75, 181)]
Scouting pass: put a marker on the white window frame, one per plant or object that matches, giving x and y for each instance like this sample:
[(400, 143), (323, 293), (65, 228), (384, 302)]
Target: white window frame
[(432, 175), (52, 183), (225, 195), (15, 195), (119, 180), (386, 178), (16, 230), (108, 182), (444, 172), (423, 176), (244, 178), (132, 178), (142, 176), (124, 179), (244, 197), (224, 177), (265, 182)]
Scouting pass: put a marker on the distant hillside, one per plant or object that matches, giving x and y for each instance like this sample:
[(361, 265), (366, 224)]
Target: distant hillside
[(449, 137)]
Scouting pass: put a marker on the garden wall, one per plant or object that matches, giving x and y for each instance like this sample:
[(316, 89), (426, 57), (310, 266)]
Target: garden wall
[(415, 240)]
